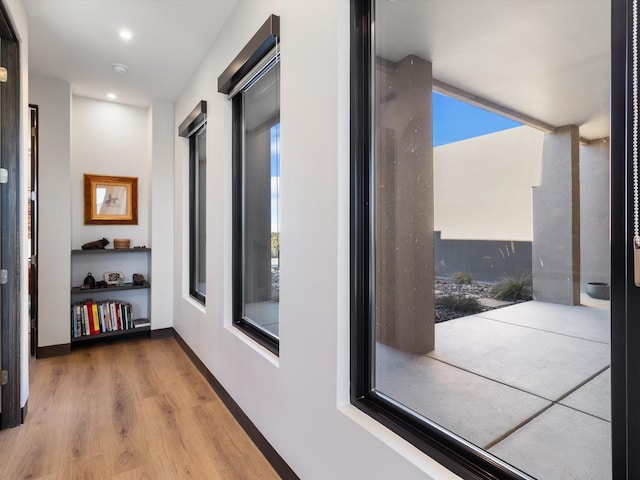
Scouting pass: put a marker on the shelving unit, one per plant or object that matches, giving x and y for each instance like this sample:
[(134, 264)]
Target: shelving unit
[(111, 288), (125, 260)]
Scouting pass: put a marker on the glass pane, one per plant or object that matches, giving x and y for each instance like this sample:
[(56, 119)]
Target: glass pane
[(198, 205), (201, 223), (491, 225), (261, 202)]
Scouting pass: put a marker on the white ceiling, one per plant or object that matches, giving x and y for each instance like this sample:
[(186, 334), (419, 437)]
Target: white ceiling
[(548, 59), (78, 41)]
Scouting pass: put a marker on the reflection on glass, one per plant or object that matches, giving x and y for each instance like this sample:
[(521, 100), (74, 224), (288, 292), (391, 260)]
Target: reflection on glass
[(201, 244), (491, 218), (261, 202), (198, 214)]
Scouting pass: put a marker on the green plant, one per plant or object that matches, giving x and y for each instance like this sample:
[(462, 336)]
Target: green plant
[(275, 244), (462, 278), (460, 303), (513, 289)]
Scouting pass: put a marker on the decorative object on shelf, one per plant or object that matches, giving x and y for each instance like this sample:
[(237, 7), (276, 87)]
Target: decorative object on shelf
[(96, 244), (141, 322), (110, 200), (121, 243), (114, 278), (101, 284), (89, 281), (138, 279)]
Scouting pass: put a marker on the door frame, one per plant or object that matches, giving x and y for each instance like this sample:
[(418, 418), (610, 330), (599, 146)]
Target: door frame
[(625, 296), (33, 226), (10, 253)]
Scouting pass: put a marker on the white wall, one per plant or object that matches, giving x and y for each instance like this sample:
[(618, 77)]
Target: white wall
[(161, 133), (18, 16), (81, 135), (109, 139), (483, 185), (53, 98), (299, 401)]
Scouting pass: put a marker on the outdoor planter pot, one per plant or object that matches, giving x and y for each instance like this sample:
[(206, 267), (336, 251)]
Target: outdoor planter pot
[(598, 290)]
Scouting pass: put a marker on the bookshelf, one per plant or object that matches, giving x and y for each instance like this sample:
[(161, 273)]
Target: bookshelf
[(121, 310)]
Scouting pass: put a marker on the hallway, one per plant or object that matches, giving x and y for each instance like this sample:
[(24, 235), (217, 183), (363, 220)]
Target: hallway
[(136, 409)]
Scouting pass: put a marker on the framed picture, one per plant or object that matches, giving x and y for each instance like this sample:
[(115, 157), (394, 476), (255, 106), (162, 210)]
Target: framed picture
[(110, 200)]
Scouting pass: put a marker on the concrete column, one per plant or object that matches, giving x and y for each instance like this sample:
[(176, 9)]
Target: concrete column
[(595, 247), (404, 206), (556, 220), (257, 222)]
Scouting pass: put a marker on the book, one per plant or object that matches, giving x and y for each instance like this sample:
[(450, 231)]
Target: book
[(79, 323), (96, 318), (107, 317), (74, 325), (92, 328), (141, 322), (85, 319)]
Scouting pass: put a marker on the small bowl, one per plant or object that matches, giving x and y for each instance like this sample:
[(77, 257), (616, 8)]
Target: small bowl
[(121, 243)]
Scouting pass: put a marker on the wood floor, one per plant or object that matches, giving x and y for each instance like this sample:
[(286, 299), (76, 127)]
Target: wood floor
[(136, 409)]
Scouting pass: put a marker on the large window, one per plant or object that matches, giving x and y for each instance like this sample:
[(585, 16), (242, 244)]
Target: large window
[(480, 232), (194, 128), (255, 97)]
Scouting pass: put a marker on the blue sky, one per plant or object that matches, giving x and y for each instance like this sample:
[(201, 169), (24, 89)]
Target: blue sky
[(275, 177), (275, 150), (454, 120)]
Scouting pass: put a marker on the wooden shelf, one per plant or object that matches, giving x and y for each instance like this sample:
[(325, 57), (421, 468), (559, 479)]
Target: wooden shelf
[(133, 302), (106, 251), (117, 333), (110, 288)]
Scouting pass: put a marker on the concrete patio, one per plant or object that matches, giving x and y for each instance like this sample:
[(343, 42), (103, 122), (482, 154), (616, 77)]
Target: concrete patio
[(530, 383)]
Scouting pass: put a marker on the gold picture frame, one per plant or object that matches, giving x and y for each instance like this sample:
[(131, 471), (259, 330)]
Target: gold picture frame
[(110, 200)]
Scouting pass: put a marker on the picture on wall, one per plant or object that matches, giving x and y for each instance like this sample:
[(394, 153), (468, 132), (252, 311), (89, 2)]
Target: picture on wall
[(110, 200)]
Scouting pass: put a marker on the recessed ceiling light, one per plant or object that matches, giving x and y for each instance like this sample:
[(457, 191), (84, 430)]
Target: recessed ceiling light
[(119, 69), (126, 35), (111, 96)]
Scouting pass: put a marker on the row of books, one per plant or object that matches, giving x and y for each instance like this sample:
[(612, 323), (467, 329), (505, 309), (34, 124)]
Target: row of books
[(90, 318)]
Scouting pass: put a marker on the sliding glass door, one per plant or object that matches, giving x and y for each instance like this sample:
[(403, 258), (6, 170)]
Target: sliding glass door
[(491, 269)]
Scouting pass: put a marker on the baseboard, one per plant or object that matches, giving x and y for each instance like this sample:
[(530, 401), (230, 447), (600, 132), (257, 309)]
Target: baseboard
[(65, 349), (162, 333), (23, 411), (53, 351), (276, 461)]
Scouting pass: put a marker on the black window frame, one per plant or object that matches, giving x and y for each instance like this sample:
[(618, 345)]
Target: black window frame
[(259, 55), (191, 128), (453, 452)]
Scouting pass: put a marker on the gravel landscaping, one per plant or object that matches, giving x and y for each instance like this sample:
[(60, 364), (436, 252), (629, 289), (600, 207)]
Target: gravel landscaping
[(443, 286), (446, 286)]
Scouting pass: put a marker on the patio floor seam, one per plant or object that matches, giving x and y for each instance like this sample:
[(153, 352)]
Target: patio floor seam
[(540, 329), (489, 378), (553, 403), (540, 412)]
